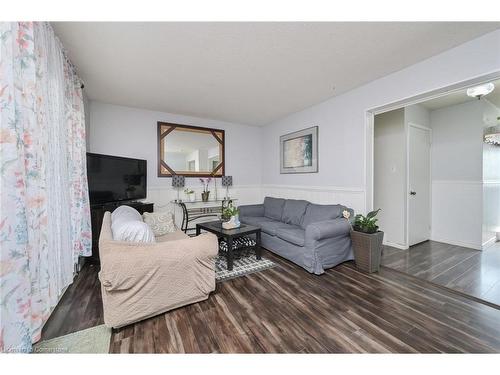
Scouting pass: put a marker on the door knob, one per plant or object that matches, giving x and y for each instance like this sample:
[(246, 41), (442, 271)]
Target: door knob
[(413, 193)]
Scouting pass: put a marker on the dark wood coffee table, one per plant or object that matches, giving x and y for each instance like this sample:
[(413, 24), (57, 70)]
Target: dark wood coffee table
[(215, 227)]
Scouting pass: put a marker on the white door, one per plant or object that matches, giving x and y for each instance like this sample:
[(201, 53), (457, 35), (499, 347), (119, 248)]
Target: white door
[(419, 184)]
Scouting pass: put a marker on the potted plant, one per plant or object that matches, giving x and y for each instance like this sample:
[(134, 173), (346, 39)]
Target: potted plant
[(206, 193), (190, 194), (367, 242), (230, 216)]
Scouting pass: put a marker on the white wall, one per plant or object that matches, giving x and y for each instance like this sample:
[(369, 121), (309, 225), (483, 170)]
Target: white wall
[(457, 152), (417, 114), (132, 132), (457, 147), (342, 123), (390, 175), (465, 175)]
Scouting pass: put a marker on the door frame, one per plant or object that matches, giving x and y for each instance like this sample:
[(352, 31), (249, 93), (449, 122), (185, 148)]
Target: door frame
[(418, 98), (407, 227)]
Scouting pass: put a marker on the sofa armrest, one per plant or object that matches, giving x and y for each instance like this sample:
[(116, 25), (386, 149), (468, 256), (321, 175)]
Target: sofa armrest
[(252, 210), (125, 264), (327, 229)]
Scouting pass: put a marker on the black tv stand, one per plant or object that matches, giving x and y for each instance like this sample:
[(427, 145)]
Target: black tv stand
[(97, 211)]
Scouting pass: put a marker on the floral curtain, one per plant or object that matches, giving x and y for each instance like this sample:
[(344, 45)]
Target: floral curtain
[(44, 206)]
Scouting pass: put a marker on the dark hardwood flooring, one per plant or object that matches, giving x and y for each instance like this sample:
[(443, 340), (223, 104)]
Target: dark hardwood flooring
[(473, 272), (79, 308), (287, 310)]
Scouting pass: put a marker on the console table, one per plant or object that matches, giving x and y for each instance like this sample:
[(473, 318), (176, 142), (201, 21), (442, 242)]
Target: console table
[(193, 210)]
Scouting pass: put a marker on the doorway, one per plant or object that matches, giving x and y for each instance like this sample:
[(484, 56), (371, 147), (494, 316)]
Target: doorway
[(402, 176), (449, 201)]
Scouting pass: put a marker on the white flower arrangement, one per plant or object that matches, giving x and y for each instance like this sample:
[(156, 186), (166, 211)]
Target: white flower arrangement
[(347, 214)]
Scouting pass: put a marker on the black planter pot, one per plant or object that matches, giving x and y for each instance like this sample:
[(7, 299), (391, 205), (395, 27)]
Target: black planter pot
[(367, 249)]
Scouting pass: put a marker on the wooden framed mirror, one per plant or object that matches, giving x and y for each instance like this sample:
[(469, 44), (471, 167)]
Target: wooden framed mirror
[(190, 151)]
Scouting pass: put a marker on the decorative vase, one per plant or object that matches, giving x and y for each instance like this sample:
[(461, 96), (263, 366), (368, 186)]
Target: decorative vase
[(367, 249), (233, 223), (205, 195), (192, 197)]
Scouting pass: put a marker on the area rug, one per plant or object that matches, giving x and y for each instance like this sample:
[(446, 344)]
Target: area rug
[(91, 340), (243, 264)]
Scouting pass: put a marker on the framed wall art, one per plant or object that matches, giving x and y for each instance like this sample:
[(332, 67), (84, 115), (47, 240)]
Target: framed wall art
[(299, 151)]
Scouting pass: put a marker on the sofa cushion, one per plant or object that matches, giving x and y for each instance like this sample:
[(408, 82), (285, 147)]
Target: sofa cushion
[(273, 208), (319, 212), (294, 211), (256, 221), (272, 227), (295, 235), (267, 225)]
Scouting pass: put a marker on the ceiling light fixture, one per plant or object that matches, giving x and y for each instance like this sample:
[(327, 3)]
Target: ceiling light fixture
[(492, 135), (481, 90)]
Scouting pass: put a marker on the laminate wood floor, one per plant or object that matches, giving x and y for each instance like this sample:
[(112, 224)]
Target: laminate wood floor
[(473, 272), (287, 310)]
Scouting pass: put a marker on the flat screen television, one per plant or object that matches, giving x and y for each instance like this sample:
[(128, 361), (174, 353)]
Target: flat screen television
[(114, 178)]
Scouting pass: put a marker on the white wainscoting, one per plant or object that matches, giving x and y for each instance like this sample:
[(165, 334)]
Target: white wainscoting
[(352, 197), (457, 212), (161, 196)]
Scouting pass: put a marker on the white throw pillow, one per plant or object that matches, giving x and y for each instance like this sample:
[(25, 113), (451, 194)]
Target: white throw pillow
[(160, 222), (125, 213), (127, 225)]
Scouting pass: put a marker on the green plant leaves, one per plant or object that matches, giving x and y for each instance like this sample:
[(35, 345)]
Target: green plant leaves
[(372, 214), (366, 224)]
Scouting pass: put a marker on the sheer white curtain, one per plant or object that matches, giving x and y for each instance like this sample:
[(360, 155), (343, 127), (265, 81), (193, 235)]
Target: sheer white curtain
[(44, 208)]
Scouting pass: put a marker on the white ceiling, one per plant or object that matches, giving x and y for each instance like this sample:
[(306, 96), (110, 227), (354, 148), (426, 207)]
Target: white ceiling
[(249, 73), (460, 97)]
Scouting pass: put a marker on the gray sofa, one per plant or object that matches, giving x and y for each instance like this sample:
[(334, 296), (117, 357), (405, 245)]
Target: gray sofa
[(315, 237)]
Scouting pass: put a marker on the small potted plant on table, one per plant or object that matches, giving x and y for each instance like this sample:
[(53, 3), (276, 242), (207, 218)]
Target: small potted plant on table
[(367, 242), (230, 216)]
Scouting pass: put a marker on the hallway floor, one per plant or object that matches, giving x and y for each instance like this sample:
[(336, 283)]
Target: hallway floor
[(472, 272)]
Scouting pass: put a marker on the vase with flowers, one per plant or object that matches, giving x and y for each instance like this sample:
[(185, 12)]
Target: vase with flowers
[(206, 193), (230, 216)]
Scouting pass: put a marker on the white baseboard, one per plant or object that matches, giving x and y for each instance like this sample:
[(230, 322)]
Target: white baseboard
[(469, 245), (397, 246)]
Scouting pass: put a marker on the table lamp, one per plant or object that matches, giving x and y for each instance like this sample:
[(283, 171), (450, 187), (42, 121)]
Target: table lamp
[(178, 183), (227, 181)]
